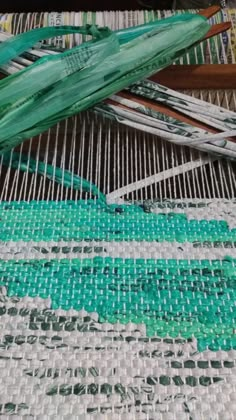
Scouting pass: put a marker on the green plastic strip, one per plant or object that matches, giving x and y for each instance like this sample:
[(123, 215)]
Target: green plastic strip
[(172, 298)]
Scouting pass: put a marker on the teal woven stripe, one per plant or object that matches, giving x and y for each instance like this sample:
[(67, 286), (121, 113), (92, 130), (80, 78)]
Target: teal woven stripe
[(172, 297), (92, 221)]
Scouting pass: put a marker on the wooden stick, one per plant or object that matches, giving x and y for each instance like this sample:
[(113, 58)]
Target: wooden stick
[(210, 11), (217, 29), (206, 76), (170, 112)]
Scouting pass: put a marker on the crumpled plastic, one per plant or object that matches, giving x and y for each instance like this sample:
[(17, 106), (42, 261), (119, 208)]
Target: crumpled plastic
[(58, 86)]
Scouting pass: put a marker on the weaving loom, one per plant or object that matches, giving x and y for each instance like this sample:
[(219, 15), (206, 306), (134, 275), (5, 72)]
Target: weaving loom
[(124, 311)]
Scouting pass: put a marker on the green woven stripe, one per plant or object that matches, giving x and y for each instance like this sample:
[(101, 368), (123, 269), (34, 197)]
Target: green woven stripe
[(172, 297), (91, 221)]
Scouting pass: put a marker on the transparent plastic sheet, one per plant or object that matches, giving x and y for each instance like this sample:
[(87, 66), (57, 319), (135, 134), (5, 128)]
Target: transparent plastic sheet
[(87, 74)]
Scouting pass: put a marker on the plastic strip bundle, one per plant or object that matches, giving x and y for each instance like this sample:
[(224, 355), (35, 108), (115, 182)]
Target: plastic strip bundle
[(119, 311)]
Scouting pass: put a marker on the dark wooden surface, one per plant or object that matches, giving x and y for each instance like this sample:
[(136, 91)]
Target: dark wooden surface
[(210, 76), (77, 5), (206, 76)]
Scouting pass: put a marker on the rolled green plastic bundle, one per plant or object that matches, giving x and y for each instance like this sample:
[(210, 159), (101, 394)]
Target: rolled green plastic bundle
[(58, 86)]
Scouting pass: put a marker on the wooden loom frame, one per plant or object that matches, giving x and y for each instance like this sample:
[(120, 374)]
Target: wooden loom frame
[(204, 76)]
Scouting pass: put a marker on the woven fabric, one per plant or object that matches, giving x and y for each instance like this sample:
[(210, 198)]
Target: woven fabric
[(118, 312)]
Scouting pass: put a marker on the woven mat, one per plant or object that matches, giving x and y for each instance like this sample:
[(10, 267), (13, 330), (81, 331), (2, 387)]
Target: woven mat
[(119, 312)]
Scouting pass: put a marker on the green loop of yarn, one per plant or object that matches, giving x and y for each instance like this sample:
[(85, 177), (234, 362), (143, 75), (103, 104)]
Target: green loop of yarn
[(62, 177)]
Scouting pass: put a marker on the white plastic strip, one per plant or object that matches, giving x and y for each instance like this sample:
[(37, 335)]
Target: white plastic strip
[(112, 197)]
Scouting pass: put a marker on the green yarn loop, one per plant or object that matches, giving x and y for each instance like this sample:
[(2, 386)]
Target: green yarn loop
[(62, 177)]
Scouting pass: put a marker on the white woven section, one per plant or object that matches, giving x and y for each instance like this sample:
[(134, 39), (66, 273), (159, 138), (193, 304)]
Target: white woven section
[(69, 250), (59, 375)]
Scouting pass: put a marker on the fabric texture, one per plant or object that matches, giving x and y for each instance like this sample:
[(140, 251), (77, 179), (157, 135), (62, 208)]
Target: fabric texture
[(125, 311)]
